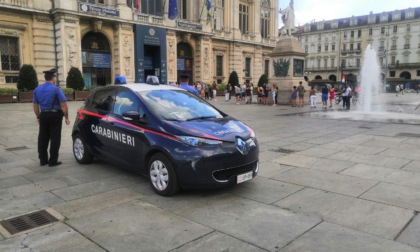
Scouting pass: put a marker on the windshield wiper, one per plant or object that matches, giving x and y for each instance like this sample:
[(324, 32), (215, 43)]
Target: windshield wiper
[(200, 118)]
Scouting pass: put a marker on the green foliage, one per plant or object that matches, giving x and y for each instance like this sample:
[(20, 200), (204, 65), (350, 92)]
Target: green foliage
[(8, 91), (28, 80), (221, 87), (234, 79), (68, 91), (75, 79), (263, 79)]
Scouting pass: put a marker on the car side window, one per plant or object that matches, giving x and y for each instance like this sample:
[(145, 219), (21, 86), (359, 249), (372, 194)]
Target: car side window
[(126, 101), (103, 100)]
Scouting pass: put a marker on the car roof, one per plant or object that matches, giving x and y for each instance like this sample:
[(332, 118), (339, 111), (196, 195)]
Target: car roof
[(137, 87)]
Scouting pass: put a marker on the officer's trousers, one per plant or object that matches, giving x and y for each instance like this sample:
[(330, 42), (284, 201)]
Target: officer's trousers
[(50, 124)]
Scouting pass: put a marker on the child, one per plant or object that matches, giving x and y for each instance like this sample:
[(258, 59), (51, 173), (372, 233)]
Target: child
[(294, 96)]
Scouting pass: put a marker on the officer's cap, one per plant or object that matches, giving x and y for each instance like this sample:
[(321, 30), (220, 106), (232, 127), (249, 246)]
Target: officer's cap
[(52, 71)]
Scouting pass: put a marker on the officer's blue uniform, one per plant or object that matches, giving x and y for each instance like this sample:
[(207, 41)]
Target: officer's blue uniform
[(189, 88), (49, 96)]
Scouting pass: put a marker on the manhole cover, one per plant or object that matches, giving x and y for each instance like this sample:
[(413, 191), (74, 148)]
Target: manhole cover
[(281, 150), (28, 221), (17, 148)]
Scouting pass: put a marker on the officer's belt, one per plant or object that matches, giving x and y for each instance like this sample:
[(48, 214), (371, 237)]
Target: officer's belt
[(50, 110)]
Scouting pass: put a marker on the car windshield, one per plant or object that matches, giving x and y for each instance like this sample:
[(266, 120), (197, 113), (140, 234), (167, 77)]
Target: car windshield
[(178, 105)]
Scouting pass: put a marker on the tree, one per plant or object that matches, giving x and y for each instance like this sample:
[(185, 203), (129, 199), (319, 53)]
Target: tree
[(75, 79), (263, 79), (28, 80), (234, 79)]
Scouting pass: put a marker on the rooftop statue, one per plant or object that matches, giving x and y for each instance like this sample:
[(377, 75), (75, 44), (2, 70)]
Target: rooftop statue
[(288, 18)]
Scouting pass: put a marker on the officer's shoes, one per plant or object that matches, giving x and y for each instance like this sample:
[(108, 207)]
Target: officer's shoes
[(55, 164)]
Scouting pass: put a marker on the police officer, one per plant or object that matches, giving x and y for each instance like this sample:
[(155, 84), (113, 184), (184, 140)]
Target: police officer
[(50, 106), (184, 79)]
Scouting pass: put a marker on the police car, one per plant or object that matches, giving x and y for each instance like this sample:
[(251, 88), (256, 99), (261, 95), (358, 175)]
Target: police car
[(175, 138)]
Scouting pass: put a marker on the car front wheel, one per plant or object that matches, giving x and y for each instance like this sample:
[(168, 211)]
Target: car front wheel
[(162, 175), (80, 151)]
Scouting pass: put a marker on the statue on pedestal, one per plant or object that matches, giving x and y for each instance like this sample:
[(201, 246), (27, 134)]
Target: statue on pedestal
[(288, 18)]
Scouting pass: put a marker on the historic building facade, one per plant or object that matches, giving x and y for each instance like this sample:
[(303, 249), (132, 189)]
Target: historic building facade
[(336, 47), (107, 38)]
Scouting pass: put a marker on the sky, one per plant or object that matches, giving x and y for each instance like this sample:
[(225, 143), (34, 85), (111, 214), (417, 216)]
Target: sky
[(308, 10)]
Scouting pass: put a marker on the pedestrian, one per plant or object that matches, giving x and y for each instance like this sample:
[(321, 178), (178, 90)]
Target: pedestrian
[(324, 96), (397, 90), (265, 93), (230, 88), (206, 91), (248, 93), (260, 94), (49, 104), (214, 87), (332, 95), (199, 87), (312, 97), (301, 93), (346, 97), (252, 91), (294, 96), (274, 95), (238, 94), (184, 79)]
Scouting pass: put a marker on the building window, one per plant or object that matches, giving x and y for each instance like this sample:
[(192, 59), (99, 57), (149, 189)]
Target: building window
[(392, 60), (9, 51), (326, 48), (408, 27), (358, 62), (218, 15), (384, 17), (306, 49), (265, 19), (370, 31), (319, 48), (418, 72), (332, 47), (152, 7), (382, 30), (332, 63), (267, 68), (359, 46), (219, 65), (345, 34), (409, 14), (391, 73), (248, 67), (359, 33), (318, 63), (395, 29), (396, 16), (344, 47), (243, 18), (182, 9), (351, 47), (343, 63), (352, 34), (325, 63)]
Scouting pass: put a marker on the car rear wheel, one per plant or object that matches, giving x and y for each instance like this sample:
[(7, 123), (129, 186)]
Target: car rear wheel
[(80, 151), (162, 175)]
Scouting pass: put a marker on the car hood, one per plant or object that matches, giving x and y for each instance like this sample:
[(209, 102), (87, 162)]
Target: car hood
[(225, 129)]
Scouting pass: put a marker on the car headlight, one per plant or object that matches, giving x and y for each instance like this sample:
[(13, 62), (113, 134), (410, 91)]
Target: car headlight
[(199, 142)]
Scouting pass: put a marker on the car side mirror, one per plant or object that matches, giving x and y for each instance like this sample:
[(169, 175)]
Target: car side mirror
[(131, 115)]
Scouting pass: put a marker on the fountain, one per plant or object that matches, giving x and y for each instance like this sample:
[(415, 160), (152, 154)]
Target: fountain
[(374, 105), (370, 84)]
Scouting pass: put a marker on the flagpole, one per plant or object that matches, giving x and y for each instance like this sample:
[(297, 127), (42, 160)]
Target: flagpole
[(202, 8)]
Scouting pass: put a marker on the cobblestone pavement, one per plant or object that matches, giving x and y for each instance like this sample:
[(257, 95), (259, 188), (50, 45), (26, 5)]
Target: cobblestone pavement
[(328, 181)]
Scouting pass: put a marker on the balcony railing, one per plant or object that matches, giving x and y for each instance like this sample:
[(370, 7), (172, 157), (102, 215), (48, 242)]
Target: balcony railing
[(381, 48), (22, 3), (145, 18), (407, 46), (394, 47)]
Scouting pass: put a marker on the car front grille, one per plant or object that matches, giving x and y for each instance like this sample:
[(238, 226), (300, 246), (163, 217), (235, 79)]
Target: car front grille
[(225, 174)]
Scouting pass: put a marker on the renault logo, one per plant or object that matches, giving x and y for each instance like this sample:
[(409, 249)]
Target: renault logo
[(241, 145)]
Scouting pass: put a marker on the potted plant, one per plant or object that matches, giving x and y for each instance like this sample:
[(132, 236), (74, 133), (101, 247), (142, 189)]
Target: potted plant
[(77, 83), (27, 82), (8, 95), (69, 93)]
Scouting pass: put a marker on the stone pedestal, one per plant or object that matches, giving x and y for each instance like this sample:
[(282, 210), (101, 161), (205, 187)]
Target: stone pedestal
[(288, 59)]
